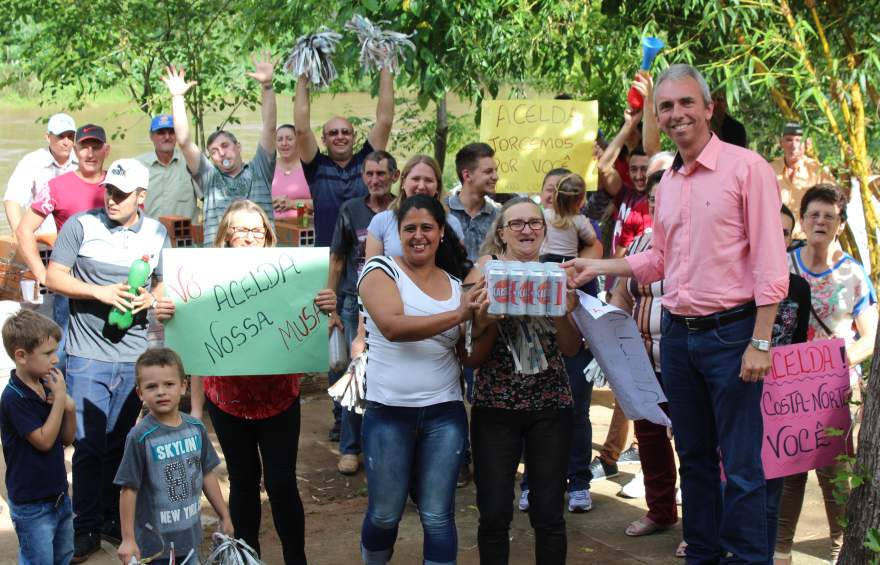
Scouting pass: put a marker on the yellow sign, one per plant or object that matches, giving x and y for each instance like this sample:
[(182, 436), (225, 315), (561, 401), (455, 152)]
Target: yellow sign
[(532, 137)]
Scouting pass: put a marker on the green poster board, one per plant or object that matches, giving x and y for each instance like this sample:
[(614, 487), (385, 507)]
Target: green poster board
[(247, 311)]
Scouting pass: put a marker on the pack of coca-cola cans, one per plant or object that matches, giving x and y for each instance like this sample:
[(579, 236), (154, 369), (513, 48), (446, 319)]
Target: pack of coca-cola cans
[(526, 289)]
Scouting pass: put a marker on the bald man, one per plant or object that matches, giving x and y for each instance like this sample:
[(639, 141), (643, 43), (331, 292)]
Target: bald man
[(335, 176)]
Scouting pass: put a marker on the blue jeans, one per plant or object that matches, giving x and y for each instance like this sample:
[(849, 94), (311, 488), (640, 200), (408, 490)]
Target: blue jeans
[(61, 315), (774, 494), (582, 432), (106, 409), (712, 408), (401, 445), (350, 437), (45, 532)]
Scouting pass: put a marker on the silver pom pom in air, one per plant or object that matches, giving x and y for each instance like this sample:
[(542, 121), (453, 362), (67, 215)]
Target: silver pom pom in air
[(380, 49), (312, 56)]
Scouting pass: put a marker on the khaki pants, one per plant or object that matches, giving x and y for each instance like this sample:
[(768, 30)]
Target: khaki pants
[(618, 436)]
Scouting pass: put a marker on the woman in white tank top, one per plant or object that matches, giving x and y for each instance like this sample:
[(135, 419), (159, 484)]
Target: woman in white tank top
[(415, 424)]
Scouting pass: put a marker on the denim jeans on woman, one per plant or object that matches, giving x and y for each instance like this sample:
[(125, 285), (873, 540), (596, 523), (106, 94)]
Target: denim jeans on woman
[(497, 436), (711, 408), (423, 445)]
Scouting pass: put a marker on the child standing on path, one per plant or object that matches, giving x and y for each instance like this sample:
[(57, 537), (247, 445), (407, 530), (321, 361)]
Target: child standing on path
[(167, 464), (36, 419)]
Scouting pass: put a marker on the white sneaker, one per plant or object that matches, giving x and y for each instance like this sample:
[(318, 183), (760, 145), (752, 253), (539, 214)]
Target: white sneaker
[(635, 488), (524, 501), (579, 501)]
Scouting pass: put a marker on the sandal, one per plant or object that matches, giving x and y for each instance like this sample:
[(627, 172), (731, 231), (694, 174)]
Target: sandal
[(681, 550), (644, 526), (782, 559)]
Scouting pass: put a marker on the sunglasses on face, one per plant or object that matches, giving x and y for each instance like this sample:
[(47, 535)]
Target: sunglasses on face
[(341, 131)]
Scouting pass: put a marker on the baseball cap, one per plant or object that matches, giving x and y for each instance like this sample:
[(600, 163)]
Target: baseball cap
[(162, 121), (91, 131), (60, 123), (792, 128), (128, 175)]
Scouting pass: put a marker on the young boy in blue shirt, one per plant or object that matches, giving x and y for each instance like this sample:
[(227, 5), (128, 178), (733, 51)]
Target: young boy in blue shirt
[(37, 419), (167, 464)]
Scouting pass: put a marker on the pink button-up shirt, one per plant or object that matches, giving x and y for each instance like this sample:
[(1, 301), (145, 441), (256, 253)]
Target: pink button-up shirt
[(717, 234)]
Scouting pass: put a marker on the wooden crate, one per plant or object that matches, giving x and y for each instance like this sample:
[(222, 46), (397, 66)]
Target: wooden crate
[(291, 235)]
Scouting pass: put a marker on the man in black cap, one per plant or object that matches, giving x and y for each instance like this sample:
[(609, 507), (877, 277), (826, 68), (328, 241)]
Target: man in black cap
[(796, 172)]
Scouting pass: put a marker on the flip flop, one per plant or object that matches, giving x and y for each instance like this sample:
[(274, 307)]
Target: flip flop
[(644, 526), (681, 550)]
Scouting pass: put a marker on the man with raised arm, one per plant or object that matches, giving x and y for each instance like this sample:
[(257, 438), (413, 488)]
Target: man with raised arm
[(225, 178), (335, 177), (718, 247)]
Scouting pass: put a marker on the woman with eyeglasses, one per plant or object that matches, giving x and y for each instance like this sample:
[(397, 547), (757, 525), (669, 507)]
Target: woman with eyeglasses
[(520, 404), (256, 418), (843, 304)]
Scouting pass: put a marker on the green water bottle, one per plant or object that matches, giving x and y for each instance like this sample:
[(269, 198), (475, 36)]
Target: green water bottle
[(137, 276)]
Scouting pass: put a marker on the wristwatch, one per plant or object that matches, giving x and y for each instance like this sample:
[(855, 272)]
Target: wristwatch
[(154, 304), (761, 344)]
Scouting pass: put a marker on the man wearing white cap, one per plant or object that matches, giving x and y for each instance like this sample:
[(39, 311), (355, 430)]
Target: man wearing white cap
[(172, 189), (37, 168), (90, 264)]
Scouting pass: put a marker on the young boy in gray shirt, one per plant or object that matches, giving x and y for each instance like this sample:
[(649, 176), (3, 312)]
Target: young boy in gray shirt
[(167, 464)]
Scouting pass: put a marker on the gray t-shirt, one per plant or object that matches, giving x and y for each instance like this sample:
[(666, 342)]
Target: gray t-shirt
[(384, 228), (253, 182), (166, 465), (350, 241), (99, 251)]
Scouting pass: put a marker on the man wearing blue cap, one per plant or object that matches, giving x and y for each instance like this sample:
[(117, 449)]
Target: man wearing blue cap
[(172, 190)]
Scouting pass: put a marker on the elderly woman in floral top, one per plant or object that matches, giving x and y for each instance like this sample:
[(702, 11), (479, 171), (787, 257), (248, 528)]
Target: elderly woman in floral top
[(517, 403), (256, 418), (843, 298)]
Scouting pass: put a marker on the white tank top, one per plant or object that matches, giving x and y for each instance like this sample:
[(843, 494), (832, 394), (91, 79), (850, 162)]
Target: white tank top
[(412, 373)]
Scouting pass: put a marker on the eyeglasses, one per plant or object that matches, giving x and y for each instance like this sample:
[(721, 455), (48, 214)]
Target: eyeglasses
[(519, 225), (815, 216), (335, 132), (258, 233)]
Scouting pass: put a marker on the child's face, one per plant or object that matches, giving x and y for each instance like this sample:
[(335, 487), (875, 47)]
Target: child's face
[(160, 388), (37, 363)]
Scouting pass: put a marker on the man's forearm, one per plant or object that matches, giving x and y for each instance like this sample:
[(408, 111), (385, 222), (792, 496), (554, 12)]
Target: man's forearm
[(302, 105), (764, 319), (269, 113), (13, 213), (334, 273), (385, 106), (181, 120), (71, 287), (30, 253)]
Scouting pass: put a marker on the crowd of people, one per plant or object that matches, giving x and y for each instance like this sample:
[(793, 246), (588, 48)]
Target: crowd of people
[(718, 254)]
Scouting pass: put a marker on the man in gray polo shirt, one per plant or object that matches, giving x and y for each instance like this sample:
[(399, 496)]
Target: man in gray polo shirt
[(90, 264), (172, 189), (225, 178), (473, 207)]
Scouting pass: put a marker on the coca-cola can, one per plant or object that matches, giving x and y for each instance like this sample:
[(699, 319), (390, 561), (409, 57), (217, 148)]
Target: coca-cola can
[(537, 284), (498, 285), (519, 290), (556, 290)]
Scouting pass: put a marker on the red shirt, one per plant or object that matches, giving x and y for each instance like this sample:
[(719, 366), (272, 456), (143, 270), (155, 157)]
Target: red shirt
[(253, 397), (717, 240), (68, 195), (633, 217)]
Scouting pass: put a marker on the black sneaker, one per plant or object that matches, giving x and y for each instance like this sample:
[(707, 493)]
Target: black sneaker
[(84, 544), (111, 533), (602, 470), (630, 456)]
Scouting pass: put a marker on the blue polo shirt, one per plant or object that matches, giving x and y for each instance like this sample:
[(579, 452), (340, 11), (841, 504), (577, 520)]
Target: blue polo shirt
[(331, 186), (31, 475)]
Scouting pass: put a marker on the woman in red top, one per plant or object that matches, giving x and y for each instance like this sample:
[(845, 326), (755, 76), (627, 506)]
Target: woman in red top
[(257, 419)]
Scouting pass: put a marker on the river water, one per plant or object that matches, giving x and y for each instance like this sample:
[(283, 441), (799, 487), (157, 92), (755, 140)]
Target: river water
[(22, 132)]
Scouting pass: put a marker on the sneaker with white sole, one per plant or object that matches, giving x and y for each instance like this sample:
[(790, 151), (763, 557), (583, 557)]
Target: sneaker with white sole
[(579, 501), (630, 456), (635, 488), (524, 500)]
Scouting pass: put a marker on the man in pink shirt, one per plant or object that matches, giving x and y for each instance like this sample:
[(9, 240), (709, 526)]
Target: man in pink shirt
[(718, 246)]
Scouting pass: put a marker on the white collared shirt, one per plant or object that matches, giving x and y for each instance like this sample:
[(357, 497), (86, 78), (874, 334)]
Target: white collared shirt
[(31, 177)]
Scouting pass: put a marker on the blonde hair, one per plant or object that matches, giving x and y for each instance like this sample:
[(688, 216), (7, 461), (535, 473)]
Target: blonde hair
[(407, 169), (567, 198), (493, 244), (243, 206)]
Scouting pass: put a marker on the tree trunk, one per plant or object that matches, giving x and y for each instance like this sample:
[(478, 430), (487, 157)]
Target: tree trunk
[(863, 508), (441, 132)]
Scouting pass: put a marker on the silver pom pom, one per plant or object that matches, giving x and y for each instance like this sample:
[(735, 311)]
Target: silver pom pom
[(379, 49), (311, 56)]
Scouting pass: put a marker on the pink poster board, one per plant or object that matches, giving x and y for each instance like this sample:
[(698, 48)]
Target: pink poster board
[(806, 392)]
